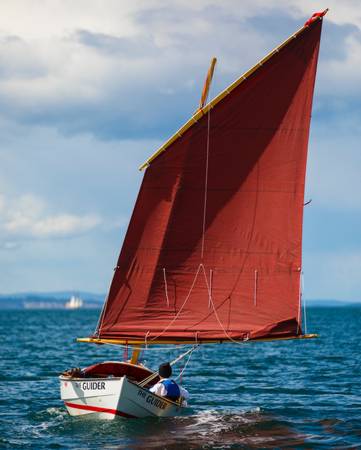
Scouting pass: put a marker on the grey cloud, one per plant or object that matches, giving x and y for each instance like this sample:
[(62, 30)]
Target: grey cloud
[(17, 59), (147, 84), (135, 47)]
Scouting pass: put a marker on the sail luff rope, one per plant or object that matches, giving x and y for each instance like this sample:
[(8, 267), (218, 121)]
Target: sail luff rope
[(100, 320), (299, 303), (102, 314), (304, 304)]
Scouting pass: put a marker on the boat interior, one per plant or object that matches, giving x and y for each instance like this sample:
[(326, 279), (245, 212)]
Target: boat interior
[(114, 369)]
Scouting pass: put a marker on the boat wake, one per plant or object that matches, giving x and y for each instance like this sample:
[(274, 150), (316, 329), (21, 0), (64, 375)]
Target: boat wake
[(222, 429)]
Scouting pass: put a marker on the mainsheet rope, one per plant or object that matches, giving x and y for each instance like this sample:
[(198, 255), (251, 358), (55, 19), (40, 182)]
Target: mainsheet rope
[(179, 377)]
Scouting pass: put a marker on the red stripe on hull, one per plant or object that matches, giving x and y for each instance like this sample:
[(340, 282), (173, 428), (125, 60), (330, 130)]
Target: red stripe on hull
[(98, 409)]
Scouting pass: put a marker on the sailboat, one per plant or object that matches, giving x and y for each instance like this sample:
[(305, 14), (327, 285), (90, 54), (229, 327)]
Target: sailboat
[(213, 251), (74, 303)]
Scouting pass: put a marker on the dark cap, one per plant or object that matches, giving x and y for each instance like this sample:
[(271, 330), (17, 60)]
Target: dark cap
[(165, 370)]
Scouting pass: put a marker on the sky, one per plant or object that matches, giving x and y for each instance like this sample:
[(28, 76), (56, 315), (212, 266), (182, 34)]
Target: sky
[(90, 88)]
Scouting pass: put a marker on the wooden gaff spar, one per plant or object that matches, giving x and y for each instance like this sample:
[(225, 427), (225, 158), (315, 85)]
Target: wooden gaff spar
[(213, 251)]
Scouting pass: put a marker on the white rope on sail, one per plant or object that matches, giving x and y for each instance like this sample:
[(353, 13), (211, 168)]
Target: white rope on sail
[(166, 286), (255, 287), (210, 285), (181, 308), (146, 339), (216, 314)]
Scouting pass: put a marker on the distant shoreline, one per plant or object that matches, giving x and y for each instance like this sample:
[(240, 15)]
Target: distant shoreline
[(58, 300)]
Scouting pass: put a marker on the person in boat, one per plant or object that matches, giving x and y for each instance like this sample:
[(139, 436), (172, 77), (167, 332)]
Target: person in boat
[(169, 388)]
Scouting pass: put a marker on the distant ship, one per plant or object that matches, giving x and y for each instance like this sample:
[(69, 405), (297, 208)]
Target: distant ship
[(74, 303)]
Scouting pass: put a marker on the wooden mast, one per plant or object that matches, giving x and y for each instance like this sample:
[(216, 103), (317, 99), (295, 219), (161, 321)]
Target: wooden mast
[(207, 84)]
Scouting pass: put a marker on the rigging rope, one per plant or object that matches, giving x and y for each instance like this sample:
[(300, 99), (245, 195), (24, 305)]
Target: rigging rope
[(304, 304), (206, 183), (216, 314), (184, 368), (155, 374), (180, 309), (299, 303)]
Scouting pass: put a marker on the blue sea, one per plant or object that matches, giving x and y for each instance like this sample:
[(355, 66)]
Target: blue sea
[(296, 394)]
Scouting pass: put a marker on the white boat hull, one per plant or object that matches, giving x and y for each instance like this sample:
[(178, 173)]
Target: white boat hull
[(106, 398)]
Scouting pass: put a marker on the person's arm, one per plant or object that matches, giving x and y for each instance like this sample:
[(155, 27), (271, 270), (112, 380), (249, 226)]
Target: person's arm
[(158, 389), (183, 392)]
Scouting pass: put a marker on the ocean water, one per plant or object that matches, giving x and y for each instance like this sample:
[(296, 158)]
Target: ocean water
[(304, 394)]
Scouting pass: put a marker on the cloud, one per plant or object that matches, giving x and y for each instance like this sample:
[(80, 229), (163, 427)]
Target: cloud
[(26, 217), (94, 90), (136, 70)]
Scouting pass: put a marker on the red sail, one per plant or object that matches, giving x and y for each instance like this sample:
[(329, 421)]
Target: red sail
[(213, 249)]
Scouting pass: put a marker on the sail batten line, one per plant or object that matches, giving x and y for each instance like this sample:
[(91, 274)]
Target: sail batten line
[(198, 115)]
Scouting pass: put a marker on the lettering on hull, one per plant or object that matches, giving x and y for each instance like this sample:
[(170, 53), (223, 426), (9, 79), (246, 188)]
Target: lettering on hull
[(91, 385), (157, 402)]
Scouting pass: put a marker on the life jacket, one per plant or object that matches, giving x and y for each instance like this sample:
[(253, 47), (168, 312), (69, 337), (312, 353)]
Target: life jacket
[(172, 388)]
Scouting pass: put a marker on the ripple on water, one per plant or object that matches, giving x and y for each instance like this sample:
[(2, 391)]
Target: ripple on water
[(275, 395)]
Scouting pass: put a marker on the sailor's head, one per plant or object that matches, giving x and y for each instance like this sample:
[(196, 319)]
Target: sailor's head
[(165, 370)]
